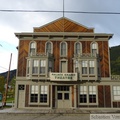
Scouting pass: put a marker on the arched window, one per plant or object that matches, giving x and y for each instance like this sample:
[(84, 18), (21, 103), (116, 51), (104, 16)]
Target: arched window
[(49, 47), (63, 48), (78, 48), (94, 48), (32, 47)]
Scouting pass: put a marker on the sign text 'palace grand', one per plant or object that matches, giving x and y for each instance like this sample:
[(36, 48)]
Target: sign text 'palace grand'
[(63, 76)]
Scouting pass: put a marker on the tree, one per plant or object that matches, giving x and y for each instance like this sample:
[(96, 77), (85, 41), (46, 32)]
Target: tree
[(2, 84), (12, 83)]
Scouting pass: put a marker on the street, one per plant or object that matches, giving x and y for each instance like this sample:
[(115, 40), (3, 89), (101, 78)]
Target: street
[(13, 116)]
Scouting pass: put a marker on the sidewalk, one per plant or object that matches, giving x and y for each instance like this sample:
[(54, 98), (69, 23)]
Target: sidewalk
[(58, 111)]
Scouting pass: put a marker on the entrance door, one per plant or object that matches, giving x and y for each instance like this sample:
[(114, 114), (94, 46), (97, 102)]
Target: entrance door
[(21, 100), (63, 97), (21, 96)]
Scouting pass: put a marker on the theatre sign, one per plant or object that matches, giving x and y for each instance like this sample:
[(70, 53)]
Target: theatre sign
[(63, 76)]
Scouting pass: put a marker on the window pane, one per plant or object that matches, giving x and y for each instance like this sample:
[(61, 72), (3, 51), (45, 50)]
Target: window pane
[(32, 47), (48, 47), (59, 96), (92, 98), (91, 63), (43, 94), (91, 70), (77, 48), (84, 63), (34, 93), (35, 66), (94, 48), (66, 96), (63, 49), (84, 70), (83, 98), (42, 66)]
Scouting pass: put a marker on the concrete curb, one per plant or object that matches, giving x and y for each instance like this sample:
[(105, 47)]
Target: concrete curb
[(56, 111)]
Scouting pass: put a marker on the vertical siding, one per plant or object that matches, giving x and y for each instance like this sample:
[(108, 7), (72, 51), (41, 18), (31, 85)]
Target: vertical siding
[(107, 96), (23, 53), (100, 96), (27, 96)]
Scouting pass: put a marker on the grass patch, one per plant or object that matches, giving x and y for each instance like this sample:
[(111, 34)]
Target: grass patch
[(10, 100)]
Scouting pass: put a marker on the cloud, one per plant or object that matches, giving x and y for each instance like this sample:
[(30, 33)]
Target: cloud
[(12, 22)]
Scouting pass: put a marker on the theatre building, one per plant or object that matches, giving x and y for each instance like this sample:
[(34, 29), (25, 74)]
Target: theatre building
[(64, 64)]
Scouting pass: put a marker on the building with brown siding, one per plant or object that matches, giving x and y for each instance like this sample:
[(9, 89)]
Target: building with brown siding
[(64, 64)]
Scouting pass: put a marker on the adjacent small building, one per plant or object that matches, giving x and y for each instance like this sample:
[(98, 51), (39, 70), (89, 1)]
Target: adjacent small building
[(64, 64)]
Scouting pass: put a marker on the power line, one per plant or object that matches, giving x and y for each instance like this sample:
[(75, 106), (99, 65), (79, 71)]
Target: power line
[(3, 68), (60, 11)]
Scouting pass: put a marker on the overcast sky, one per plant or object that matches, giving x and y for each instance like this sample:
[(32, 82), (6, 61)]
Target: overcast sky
[(12, 22)]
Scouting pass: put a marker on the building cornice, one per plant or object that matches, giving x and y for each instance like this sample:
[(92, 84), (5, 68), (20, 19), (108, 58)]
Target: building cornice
[(62, 35)]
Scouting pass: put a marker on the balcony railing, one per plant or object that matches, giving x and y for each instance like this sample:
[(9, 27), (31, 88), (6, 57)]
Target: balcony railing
[(115, 77), (41, 54), (86, 55)]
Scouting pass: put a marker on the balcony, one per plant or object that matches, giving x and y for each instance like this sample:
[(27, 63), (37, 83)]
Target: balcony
[(115, 77), (41, 55), (85, 55)]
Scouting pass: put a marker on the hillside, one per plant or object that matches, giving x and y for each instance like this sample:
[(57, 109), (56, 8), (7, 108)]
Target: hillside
[(115, 60), (12, 74)]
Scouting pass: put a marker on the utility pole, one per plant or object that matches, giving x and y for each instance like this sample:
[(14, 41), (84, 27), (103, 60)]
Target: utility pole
[(6, 89)]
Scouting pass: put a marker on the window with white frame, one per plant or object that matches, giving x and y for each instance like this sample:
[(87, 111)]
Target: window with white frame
[(76, 66), (35, 66), (91, 67), (88, 67), (48, 47), (83, 94), (94, 48), (92, 94), (116, 92), (39, 94), (42, 66), (34, 93), (63, 49), (84, 67), (87, 94), (32, 48), (77, 48), (43, 94)]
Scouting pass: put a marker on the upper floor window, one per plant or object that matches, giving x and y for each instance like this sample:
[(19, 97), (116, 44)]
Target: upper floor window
[(77, 48), (63, 49), (84, 67), (32, 47), (94, 48), (88, 67), (42, 66), (91, 67), (35, 66), (76, 66), (49, 47)]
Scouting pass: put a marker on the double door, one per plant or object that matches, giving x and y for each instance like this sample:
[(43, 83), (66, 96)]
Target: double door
[(63, 96)]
